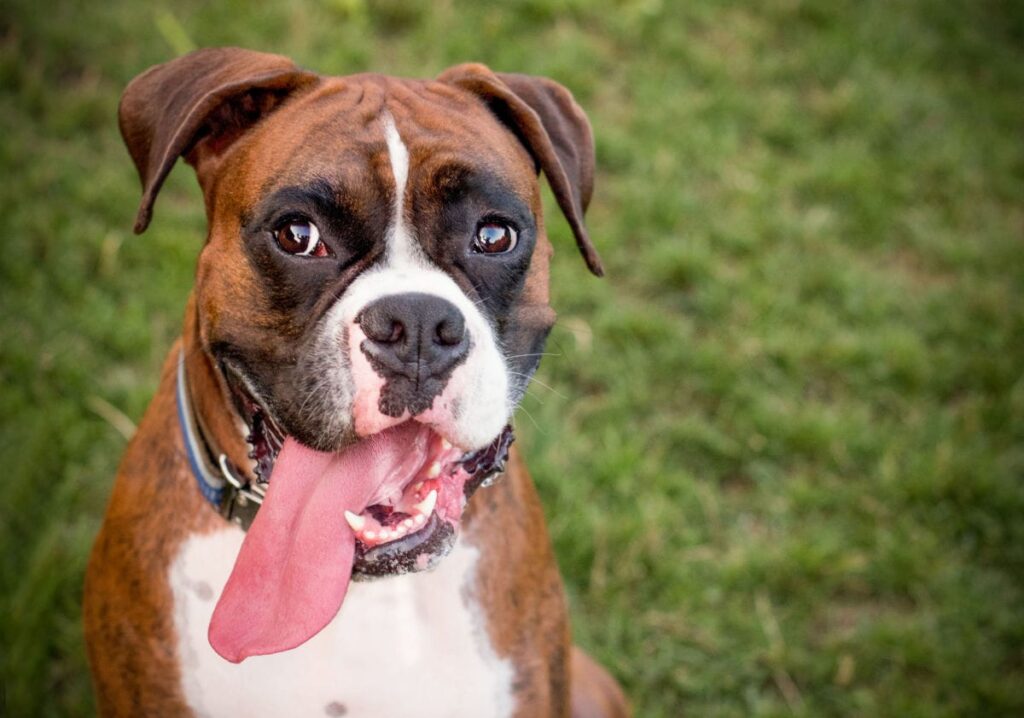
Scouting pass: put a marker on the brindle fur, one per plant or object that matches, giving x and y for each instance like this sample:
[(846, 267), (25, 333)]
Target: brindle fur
[(228, 124)]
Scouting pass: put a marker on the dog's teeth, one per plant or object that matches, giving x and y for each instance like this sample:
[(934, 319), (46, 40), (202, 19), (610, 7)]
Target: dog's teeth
[(370, 535), (357, 522), (385, 535), (417, 486), (434, 471), (407, 523), (419, 520), (445, 444), (426, 506)]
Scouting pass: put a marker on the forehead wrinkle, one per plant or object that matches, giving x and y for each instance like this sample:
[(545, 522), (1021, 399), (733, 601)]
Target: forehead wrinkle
[(338, 117), (357, 93), (339, 139)]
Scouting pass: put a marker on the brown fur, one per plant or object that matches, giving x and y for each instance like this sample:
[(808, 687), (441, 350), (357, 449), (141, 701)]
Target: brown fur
[(128, 608)]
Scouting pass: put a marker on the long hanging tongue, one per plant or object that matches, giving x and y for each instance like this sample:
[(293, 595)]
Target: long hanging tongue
[(293, 569)]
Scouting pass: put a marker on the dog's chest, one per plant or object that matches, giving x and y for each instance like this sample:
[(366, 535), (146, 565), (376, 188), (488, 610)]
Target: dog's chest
[(410, 645)]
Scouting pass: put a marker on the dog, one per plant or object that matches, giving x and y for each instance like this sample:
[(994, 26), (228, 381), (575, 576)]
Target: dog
[(291, 532)]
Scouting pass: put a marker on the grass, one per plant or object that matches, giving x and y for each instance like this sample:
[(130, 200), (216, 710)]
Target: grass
[(781, 447)]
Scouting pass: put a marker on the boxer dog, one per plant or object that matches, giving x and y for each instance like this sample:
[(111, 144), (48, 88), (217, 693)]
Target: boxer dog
[(370, 304)]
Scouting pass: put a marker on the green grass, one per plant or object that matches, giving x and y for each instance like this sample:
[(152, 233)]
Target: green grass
[(781, 447)]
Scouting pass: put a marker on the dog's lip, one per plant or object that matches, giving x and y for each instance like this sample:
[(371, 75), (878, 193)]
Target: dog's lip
[(265, 435), (246, 394), (414, 552)]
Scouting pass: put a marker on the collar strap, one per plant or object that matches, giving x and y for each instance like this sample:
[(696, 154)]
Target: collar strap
[(235, 497)]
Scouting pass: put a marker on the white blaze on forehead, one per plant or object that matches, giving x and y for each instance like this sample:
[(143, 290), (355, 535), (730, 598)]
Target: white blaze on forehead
[(401, 244), (399, 156)]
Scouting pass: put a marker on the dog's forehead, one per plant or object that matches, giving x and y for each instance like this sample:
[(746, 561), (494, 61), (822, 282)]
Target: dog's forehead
[(338, 132)]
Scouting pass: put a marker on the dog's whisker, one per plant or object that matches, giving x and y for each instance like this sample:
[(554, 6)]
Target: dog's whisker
[(537, 354), (537, 381), (530, 417), (527, 392)]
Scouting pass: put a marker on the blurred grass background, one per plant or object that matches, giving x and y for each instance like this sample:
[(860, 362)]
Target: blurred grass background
[(781, 447)]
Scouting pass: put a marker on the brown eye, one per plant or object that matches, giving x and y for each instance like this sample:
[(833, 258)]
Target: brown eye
[(494, 238), (300, 237)]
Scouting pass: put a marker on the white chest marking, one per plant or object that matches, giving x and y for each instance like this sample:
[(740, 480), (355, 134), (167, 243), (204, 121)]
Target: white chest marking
[(403, 646)]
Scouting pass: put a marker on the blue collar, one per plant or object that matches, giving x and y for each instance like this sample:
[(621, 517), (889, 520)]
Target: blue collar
[(235, 497)]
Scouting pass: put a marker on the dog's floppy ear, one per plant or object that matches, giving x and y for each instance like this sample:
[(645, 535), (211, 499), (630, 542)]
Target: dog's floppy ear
[(552, 127), (197, 105)]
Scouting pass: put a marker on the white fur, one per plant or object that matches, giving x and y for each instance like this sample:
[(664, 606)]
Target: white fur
[(397, 153), (412, 645)]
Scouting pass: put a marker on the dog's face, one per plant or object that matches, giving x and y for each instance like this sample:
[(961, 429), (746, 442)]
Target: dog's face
[(374, 286), (387, 262)]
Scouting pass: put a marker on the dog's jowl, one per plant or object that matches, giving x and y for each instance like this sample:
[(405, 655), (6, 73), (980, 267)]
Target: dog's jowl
[(322, 512)]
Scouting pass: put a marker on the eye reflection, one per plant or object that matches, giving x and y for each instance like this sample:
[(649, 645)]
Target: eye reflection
[(301, 238), (494, 238)]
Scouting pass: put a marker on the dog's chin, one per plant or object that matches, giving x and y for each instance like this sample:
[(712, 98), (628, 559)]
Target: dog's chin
[(414, 520)]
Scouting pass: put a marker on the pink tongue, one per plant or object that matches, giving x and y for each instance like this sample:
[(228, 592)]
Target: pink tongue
[(293, 569)]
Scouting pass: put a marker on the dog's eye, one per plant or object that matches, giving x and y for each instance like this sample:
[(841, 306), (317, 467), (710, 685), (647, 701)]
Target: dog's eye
[(300, 237), (494, 238)]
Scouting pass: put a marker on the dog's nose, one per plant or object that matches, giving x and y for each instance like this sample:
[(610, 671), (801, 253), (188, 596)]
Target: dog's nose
[(418, 336)]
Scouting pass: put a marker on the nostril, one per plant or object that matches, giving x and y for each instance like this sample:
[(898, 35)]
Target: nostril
[(450, 332), (382, 324)]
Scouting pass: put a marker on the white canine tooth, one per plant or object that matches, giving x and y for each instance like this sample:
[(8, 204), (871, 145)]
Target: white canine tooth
[(356, 521), (445, 444), (434, 471), (426, 506), (418, 519)]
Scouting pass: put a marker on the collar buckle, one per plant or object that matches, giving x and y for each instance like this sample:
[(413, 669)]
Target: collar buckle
[(241, 498)]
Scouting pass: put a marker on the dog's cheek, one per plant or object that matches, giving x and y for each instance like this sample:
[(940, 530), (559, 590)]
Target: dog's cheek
[(317, 389), (524, 337), (229, 294)]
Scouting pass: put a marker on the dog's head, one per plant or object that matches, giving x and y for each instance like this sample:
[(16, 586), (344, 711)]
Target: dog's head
[(374, 286)]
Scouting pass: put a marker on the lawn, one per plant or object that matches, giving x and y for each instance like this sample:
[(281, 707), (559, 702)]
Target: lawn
[(780, 446)]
